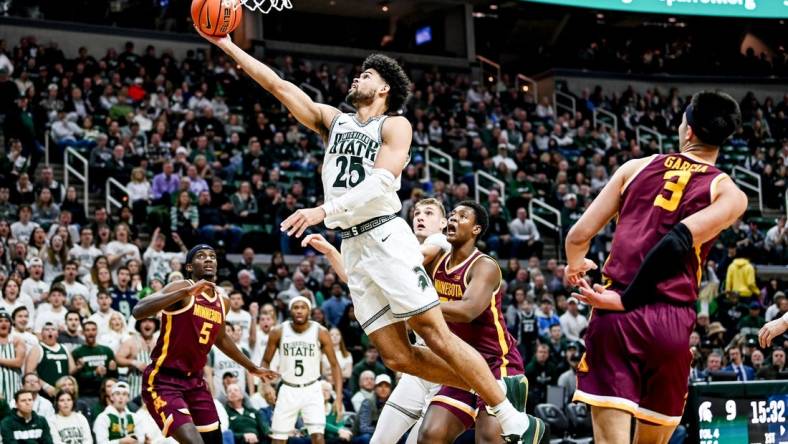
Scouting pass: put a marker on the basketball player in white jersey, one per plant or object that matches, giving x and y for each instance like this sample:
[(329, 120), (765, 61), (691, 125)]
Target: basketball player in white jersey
[(366, 153), (405, 407), (301, 344)]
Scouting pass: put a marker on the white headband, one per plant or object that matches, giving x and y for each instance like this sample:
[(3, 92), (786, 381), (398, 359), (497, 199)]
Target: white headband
[(299, 299)]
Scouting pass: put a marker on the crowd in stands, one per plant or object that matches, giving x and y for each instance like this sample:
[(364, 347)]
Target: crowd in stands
[(207, 156)]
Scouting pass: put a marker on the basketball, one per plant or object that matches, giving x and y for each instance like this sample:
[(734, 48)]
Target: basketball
[(217, 17)]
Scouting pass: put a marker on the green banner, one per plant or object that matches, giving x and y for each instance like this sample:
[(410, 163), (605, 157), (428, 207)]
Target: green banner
[(722, 8)]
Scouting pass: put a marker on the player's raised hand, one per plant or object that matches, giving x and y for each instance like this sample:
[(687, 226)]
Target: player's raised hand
[(575, 273), (267, 375), (598, 296), (318, 242), (302, 219), (771, 330), (222, 42)]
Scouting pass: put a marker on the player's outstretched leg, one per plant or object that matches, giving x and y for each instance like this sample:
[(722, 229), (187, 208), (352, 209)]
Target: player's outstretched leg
[(471, 367)]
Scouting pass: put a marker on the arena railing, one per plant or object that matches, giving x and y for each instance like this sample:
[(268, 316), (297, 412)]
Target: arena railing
[(570, 105), (429, 155), (646, 134), (496, 66), (743, 177), (530, 86), (479, 188), (46, 147), (68, 169), (604, 117), (110, 200), (557, 227)]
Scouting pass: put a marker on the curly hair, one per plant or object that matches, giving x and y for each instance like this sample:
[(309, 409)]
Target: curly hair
[(394, 76)]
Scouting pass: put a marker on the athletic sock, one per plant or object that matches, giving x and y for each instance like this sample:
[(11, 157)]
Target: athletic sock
[(512, 422)]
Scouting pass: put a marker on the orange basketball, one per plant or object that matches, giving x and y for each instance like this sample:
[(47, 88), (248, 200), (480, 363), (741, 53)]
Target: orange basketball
[(217, 17)]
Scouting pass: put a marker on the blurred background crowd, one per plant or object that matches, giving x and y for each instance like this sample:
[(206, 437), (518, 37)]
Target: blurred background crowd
[(206, 156)]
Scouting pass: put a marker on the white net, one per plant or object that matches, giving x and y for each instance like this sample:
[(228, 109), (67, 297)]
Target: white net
[(266, 6)]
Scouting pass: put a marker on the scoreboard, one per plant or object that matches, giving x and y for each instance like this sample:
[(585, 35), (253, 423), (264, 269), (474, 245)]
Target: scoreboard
[(739, 413)]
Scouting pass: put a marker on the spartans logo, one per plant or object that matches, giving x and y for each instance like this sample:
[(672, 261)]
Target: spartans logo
[(422, 278)]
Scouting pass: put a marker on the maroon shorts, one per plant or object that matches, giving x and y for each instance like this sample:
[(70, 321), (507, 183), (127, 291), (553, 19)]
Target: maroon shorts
[(175, 399), (638, 361), (464, 404)]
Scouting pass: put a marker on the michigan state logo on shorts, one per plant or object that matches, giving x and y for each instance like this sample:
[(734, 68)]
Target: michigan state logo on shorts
[(422, 278)]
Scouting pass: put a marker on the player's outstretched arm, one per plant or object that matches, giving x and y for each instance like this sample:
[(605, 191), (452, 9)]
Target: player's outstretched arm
[(168, 297), (484, 280), (599, 213), (334, 257), (226, 345), (336, 370), (273, 343), (392, 155), (314, 116)]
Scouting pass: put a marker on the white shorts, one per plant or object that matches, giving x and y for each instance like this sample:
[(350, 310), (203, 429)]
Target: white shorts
[(412, 395), (387, 280), (290, 401)]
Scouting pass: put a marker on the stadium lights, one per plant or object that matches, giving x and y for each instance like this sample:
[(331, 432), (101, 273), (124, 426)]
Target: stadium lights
[(384, 8), (493, 7)]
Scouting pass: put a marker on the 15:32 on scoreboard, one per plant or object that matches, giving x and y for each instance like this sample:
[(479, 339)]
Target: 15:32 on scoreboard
[(745, 413)]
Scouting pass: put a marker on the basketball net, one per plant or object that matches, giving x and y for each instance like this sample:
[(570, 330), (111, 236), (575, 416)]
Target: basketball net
[(266, 6)]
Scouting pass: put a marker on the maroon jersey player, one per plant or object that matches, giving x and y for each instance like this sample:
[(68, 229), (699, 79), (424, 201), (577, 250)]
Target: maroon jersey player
[(670, 209), (193, 313), (468, 283)]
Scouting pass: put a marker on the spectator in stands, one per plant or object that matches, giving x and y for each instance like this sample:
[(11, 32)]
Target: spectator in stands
[(245, 424), (366, 386), (184, 218), (344, 357), (121, 250), (546, 316), (776, 242), (370, 409), (71, 337), (780, 305), (69, 425), (334, 306), (371, 363), (244, 204), (776, 367), (736, 364), (24, 425), (741, 278), (41, 406), (525, 236), (573, 324), (23, 228), (164, 185), (116, 422), (541, 372)]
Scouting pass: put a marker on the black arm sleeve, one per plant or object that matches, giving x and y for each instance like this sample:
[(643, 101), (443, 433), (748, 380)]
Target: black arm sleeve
[(665, 259)]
